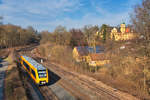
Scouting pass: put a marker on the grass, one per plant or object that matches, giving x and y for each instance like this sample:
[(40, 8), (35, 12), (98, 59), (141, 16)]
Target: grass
[(10, 58), (13, 85), (124, 71), (63, 55)]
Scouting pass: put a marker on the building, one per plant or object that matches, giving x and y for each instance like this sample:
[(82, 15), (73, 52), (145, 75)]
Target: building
[(125, 33), (98, 59), (80, 53), (92, 56)]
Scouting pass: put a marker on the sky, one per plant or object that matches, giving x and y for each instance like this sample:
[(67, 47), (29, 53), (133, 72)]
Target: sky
[(48, 14)]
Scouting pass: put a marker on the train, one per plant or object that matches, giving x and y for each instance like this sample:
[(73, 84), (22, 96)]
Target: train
[(36, 71)]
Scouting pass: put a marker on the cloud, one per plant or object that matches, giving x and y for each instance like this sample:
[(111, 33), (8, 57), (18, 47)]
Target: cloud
[(39, 6), (90, 19), (47, 14), (35, 11)]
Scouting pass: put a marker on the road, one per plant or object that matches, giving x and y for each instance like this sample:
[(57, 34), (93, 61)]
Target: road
[(3, 67)]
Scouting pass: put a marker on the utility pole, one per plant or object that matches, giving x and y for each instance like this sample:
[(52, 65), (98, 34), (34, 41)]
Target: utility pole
[(144, 80)]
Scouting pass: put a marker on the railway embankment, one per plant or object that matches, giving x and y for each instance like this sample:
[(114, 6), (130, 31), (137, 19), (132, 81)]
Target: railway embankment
[(17, 85), (14, 88), (51, 91), (31, 89)]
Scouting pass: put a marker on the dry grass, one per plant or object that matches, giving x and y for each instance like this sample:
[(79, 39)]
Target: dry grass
[(57, 53), (13, 85), (124, 72), (10, 59), (4, 53), (63, 55)]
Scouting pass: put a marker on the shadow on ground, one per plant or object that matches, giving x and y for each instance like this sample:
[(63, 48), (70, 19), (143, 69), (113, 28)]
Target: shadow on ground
[(53, 77), (1, 65)]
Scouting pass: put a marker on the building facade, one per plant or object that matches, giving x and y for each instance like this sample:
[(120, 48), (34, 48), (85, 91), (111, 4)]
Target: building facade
[(122, 34), (93, 57)]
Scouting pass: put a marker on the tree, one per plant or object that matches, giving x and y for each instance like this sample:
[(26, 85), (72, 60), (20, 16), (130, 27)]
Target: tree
[(32, 34), (141, 23), (47, 37), (62, 36), (105, 32), (77, 37), (12, 35), (89, 33)]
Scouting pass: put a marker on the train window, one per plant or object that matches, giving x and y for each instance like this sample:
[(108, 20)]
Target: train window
[(33, 73), (42, 73), (26, 65)]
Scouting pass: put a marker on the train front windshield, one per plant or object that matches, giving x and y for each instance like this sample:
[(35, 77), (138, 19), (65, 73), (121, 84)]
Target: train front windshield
[(42, 73)]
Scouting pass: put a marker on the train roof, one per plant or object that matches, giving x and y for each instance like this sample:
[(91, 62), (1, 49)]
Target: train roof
[(34, 63)]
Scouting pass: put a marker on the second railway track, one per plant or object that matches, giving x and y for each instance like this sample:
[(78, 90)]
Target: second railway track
[(72, 82), (99, 91)]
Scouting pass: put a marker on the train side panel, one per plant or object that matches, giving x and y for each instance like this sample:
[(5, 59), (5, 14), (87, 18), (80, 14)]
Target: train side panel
[(30, 70)]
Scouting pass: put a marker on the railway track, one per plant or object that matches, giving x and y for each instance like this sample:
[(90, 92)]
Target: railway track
[(44, 90), (99, 91), (47, 93), (73, 90), (102, 92), (72, 81)]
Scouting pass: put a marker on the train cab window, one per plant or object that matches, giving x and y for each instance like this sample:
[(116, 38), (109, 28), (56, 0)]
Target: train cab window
[(33, 72), (42, 73), (26, 65)]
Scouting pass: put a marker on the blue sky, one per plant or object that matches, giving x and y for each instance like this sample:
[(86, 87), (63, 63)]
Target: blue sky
[(47, 14)]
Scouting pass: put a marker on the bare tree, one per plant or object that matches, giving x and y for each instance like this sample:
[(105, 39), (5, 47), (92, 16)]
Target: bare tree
[(77, 37), (89, 33), (62, 35), (141, 23), (12, 35)]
